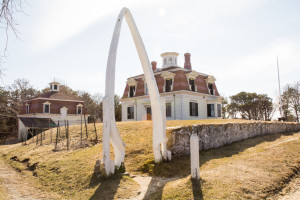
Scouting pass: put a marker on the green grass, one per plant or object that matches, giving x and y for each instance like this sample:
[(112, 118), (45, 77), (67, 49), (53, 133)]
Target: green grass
[(72, 174)]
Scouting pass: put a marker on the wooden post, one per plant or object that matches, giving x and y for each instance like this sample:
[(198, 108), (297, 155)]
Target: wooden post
[(56, 135), (41, 139), (37, 136), (85, 127), (95, 130), (68, 136), (194, 151), (81, 128)]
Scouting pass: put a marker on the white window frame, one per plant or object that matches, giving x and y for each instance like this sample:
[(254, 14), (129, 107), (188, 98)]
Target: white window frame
[(168, 76), (27, 108), (44, 104), (131, 82), (77, 106)]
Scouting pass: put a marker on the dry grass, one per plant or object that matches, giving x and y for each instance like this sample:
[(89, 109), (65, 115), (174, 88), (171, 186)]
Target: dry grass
[(256, 168), (3, 194), (71, 173)]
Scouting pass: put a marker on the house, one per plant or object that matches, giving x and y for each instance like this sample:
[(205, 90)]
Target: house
[(44, 111), (188, 94)]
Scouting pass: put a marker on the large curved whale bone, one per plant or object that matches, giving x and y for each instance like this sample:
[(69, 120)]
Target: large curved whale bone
[(110, 131)]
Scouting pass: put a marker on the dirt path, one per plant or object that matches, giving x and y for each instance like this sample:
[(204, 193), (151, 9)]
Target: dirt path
[(16, 187), (293, 190), (149, 184)]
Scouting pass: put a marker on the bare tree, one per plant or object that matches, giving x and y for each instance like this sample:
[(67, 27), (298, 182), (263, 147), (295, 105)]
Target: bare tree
[(9, 8)]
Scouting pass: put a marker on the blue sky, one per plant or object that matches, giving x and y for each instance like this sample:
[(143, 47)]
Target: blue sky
[(237, 41)]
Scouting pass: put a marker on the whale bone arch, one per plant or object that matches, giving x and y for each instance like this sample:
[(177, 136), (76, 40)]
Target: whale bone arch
[(110, 131)]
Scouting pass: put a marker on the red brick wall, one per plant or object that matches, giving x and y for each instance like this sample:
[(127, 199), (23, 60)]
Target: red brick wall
[(180, 83), (36, 106)]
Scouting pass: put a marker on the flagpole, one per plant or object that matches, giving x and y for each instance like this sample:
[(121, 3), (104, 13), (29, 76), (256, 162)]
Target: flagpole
[(280, 106)]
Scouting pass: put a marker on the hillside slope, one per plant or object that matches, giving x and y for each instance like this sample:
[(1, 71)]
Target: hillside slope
[(255, 168)]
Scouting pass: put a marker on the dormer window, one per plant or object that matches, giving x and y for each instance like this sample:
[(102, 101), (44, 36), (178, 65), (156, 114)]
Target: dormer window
[(146, 89), (55, 87), (170, 60), (191, 77), (211, 88), (27, 108), (46, 107), (132, 87), (169, 80), (79, 109), (192, 85), (132, 91), (168, 85)]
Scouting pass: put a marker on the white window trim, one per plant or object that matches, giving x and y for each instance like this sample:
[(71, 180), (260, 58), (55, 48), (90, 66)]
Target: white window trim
[(213, 88), (47, 103), (27, 106), (77, 106), (132, 82), (168, 76)]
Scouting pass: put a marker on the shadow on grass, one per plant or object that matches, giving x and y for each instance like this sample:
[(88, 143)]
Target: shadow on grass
[(179, 167), (107, 188)]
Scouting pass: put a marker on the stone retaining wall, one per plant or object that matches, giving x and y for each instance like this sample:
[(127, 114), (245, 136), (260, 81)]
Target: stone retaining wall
[(217, 135)]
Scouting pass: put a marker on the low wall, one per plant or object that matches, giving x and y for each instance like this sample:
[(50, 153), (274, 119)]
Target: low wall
[(217, 135)]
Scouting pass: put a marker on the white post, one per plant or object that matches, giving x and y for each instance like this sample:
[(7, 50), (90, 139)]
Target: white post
[(194, 148)]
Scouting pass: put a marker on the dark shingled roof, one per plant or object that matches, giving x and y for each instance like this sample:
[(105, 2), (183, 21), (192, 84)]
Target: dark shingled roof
[(36, 122), (56, 95)]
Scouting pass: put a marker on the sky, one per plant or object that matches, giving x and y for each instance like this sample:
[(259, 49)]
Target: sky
[(236, 41)]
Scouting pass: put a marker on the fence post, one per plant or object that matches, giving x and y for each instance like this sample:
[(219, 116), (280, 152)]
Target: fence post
[(86, 132), (194, 151), (95, 130), (56, 135), (68, 136)]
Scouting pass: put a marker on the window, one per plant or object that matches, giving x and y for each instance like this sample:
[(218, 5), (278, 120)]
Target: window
[(175, 61), (55, 87), (219, 110), (168, 110), (27, 109), (210, 110), (193, 109), (79, 110), (46, 108), (132, 91), (211, 88), (165, 61), (146, 89), (50, 87), (130, 112), (192, 84), (170, 60), (168, 86)]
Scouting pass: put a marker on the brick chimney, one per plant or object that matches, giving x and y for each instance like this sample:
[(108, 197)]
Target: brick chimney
[(153, 63), (187, 61)]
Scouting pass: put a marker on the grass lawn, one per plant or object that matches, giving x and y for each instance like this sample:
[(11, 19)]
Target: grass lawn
[(254, 168)]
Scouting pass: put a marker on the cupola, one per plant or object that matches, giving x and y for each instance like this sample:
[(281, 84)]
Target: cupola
[(169, 59), (54, 86)]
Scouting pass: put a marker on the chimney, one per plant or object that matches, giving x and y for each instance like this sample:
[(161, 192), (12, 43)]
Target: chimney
[(187, 61), (153, 63)]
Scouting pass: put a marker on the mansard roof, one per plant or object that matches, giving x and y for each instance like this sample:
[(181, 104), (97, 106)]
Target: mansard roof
[(53, 95)]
